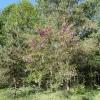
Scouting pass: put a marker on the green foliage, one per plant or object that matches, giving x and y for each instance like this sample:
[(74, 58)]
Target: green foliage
[(4, 77), (24, 15), (9, 58), (29, 93), (49, 55), (9, 55), (87, 59), (50, 58), (70, 11), (3, 20), (15, 19)]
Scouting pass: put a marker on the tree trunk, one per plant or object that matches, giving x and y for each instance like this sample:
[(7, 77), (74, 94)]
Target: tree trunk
[(67, 85), (14, 81), (47, 83)]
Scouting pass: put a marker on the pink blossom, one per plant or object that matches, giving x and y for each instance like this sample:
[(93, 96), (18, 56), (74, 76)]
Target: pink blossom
[(30, 61), (42, 33), (71, 25), (45, 40), (74, 40), (63, 29), (26, 60), (30, 56), (64, 24), (59, 33), (72, 75), (62, 43), (31, 42), (58, 45), (67, 29), (19, 56), (70, 34), (49, 28), (61, 37), (68, 41), (38, 30)]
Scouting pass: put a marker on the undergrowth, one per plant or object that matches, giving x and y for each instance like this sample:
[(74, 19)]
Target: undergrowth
[(29, 93)]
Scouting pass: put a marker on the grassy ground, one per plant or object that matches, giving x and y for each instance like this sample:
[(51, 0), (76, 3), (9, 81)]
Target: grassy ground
[(36, 94)]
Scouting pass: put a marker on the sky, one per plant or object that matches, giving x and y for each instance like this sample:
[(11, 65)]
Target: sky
[(4, 3)]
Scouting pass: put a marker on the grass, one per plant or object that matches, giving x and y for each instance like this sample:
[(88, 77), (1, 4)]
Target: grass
[(29, 93)]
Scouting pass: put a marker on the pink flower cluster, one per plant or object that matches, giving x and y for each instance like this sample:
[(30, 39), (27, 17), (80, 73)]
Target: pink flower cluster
[(41, 32), (68, 74), (74, 40), (70, 34), (59, 33), (61, 37), (71, 25), (44, 32), (62, 43), (31, 42), (28, 59), (64, 24), (67, 41), (65, 29), (45, 40)]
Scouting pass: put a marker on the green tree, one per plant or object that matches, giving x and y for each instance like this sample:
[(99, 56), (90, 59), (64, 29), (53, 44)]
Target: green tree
[(87, 59), (3, 19), (9, 58), (57, 11), (17, 19), (48, 57), (24, 14)]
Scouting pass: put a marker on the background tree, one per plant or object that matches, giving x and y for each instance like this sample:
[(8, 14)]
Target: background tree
[(3, 19), (57, 11), (17, 19), (9, 60), (87, 59), (24, 15)]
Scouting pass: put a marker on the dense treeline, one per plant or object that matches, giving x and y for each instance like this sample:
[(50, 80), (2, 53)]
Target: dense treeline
[(54, 44)]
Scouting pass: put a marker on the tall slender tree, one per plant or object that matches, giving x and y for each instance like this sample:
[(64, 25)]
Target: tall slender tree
[(17, 20), (24, 14)]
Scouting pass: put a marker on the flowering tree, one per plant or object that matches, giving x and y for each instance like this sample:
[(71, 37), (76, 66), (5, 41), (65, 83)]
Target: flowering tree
[(48, 56)]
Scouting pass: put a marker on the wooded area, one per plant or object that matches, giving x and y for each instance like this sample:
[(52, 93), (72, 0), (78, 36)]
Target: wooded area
[(53, 45)]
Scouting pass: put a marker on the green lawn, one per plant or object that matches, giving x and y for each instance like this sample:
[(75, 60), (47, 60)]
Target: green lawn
[(36, 94)]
